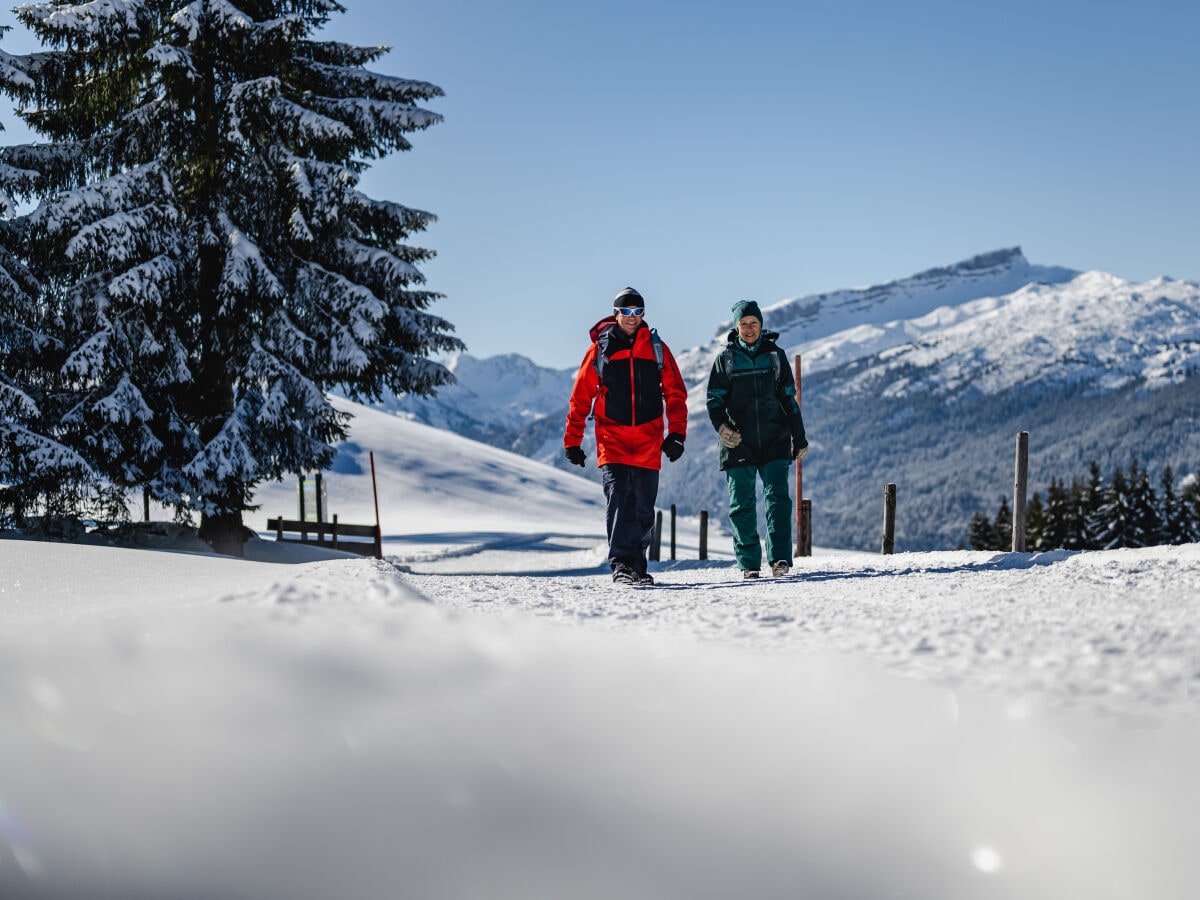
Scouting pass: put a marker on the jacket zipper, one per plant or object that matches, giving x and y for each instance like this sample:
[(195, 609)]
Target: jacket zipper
[(632, 389)]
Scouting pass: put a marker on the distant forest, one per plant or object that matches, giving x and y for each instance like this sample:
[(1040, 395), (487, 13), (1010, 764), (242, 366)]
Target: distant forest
[(1128, 510)]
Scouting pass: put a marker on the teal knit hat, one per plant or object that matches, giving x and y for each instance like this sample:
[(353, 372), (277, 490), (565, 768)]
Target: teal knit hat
[(746, 308)]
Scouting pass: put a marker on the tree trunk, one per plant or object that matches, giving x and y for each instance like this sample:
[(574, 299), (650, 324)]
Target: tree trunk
[(225, 533)]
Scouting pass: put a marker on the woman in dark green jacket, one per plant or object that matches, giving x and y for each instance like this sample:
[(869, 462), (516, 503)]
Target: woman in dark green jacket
[(752, 405)]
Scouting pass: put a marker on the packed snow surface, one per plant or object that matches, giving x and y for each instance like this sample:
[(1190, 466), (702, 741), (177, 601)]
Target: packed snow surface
[(484, 714)]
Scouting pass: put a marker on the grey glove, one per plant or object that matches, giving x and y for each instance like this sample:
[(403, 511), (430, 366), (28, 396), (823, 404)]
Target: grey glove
[(729, 437), (800, 452), (575, 455)]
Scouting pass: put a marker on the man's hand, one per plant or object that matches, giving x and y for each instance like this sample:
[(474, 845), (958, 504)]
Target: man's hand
[(673, 446), (801, 451), (575, 455), (729, 437)]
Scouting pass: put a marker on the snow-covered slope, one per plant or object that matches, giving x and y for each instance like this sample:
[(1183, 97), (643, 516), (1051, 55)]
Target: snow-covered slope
[(1096, 329), (430, 481), (801, 321)]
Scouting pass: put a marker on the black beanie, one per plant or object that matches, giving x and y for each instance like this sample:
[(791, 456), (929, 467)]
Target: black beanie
[(628, 297), (746, 308)]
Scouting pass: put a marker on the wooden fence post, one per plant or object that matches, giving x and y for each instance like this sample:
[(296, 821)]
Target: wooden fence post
[(318, 481), (1020, 489), (704, 534), (672, 531), (806, 518), (656, 539), (889, 519)]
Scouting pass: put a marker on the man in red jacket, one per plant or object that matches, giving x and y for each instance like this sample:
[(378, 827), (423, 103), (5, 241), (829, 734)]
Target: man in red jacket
[(627, 377)]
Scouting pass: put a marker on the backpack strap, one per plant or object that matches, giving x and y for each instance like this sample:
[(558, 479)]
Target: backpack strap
[(656, 343), (776, 365)]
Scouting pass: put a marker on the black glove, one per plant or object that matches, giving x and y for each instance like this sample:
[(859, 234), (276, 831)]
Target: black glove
[(575, 455), (673, 446)]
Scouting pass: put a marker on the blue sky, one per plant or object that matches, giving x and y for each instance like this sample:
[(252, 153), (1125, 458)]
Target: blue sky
[(706, 152)]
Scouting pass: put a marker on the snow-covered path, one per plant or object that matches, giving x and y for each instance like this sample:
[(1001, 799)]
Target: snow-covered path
[(1117, 632)]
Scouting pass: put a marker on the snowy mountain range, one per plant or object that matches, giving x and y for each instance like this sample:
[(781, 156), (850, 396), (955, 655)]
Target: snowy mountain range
[(923, 382)]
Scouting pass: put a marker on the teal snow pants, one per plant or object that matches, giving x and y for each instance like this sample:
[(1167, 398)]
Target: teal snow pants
[(743, 513)]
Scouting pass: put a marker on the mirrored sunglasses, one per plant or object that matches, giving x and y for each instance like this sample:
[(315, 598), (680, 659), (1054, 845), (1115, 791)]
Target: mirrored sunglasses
[(630, 310)]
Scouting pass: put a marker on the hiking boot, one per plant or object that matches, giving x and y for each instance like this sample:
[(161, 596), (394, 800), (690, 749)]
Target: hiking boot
[(748, 574), (643, 578), (780, 567), (624, 575)]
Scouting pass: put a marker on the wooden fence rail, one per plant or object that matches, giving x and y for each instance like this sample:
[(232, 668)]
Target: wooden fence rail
[(330, 534)]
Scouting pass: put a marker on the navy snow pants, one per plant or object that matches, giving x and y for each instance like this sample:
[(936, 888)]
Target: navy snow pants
[(630, 492)]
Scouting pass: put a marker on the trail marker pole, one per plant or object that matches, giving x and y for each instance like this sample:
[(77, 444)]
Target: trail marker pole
[(375, 495), (889, 519), (672, 531), (1020, 489), (803, 541)]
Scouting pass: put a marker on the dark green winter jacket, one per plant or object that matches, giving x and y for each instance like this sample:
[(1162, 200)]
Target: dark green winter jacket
[(756, 395)]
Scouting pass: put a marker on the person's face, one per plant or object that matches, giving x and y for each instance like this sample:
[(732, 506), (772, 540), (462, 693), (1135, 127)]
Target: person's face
[(629, 324), (749, 328)]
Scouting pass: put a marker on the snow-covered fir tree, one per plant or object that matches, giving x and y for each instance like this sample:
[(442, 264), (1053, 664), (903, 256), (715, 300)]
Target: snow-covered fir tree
[(1090, 520), (979, 532), (1036, 524), (203, 250), (1002, 527), (1118, 514), (1172, 513), (1144, 502), (33, 465), (1190, 501), (1058, 516)]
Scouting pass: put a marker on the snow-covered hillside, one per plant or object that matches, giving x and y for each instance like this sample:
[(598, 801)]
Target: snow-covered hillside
[(803, 321), (1096, 330), (431, 482)]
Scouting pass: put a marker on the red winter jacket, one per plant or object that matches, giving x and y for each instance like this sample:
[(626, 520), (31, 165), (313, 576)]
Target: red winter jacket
[(629, 401)]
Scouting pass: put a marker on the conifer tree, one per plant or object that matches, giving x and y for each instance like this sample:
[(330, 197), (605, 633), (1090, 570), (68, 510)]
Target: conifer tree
[(1002, 527), (1036, 524), (32, 464), (979, 532), (1190, 501), (1143, 502), (1090, 515), (1059, 515), (1172, 512), (1117, 513), (203, 245)]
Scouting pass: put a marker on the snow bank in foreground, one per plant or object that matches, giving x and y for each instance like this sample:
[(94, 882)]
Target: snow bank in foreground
[(192, 727)]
